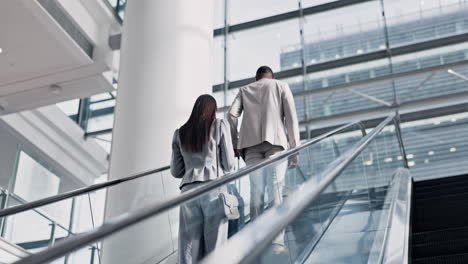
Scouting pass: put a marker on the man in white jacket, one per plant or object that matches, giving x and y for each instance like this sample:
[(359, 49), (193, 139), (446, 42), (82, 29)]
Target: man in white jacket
[(269, 126)]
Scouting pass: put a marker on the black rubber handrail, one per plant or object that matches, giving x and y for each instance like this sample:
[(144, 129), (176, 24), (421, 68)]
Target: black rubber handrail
[(63, 196)]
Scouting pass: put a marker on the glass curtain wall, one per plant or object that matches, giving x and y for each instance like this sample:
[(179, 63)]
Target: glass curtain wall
[(39, 228), (320, 46), (340, 58)]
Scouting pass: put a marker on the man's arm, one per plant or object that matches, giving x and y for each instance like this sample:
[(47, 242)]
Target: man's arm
[(234, 113), (290, 117)]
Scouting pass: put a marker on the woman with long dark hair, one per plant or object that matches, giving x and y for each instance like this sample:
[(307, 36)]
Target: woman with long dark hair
[(201, 147)]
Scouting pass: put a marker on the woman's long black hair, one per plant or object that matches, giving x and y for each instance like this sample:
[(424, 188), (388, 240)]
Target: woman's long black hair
[(195, 133)]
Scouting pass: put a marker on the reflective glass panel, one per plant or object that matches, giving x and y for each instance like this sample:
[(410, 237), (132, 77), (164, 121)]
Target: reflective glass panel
[(436, 83), (418, 21), (344, 32), (437, 147), (70, 108), (33, 181), (105, 141), (252, 48), (347, 222), (218, 60), (218, 14), (100, 122), (244, 10), (256, 193)]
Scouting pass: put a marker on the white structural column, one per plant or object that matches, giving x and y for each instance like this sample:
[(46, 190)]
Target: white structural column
[(166, 60)]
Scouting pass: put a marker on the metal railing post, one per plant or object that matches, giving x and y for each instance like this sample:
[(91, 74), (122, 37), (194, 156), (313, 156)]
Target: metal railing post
[(93, 254), (70, 225), (3, 205), (52, 234), (363, 129)]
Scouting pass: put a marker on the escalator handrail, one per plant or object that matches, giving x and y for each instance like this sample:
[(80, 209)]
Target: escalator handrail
[(63, 196), (81, 240), (247, 245)]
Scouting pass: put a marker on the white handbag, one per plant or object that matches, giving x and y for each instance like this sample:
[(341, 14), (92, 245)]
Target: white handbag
[(229, 202)]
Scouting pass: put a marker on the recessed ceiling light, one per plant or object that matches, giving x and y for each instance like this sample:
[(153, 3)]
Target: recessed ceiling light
[(430, 153), (1, 50), (411, 163), (55, 89), (453, 149), (426, 161), (409, 156)]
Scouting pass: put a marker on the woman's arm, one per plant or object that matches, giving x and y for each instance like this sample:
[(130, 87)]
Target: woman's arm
[(226, 151), (177, 161)]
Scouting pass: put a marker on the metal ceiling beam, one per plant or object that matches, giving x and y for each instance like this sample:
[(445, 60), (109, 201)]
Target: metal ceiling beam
[(426, 108), (289, 15), (408, 117), (330, 90), (98, 133), (114, 41), (369, 97), (459, 75), (391, 77), (372, 56), (410, 111), (421, 84), (357, 84)]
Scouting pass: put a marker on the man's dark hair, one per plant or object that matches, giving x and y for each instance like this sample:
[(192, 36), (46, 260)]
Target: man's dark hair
[(262, 71)]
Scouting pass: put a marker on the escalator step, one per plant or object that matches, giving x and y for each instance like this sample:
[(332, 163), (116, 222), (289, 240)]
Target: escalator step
[(440, 221), (443, 185), (438, 248), (449, 203), (441, 200), (439, 224), (441, 181), (460, 207), (448, 259), (440, 214), (458, 189), (436, 218), (440, 235)]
